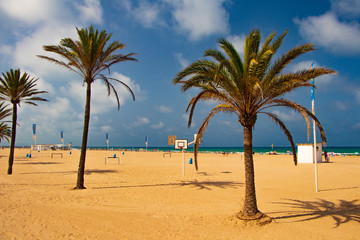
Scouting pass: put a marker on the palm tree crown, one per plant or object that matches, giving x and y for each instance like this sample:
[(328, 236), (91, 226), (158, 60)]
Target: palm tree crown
[(248, 87), (90, 56), (16, 89)]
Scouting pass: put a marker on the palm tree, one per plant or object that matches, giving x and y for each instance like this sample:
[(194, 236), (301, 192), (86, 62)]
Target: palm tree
[(4, 128), (247, 88), (16, 88), (89, 57)]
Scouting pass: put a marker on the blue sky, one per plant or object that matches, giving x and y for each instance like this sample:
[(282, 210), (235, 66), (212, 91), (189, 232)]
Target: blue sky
[(168, 35)]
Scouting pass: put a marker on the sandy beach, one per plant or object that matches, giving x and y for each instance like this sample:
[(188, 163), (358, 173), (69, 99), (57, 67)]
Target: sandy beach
[(147, 197)]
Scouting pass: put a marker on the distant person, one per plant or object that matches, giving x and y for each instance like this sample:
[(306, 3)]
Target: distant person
[(326, 156)]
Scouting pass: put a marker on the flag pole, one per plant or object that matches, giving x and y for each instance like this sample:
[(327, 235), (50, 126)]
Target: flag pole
[(34, 135), (314, 129), (107, 140), (146, 142)]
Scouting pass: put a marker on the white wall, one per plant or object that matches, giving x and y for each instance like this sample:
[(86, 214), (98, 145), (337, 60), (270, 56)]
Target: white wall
[(306, 155)]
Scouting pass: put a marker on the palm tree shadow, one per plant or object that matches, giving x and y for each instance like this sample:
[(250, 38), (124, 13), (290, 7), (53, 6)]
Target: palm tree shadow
[(193, 183), (39, 163), (342, 212), (87, 172), (208, 184)]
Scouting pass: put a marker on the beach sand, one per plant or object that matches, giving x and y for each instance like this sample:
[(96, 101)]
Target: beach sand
[(147, 197)]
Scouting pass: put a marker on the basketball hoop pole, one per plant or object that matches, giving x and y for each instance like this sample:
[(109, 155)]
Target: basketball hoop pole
[(181, 144), (183, 158)]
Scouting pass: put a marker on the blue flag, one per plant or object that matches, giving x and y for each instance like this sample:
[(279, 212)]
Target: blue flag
[(313, 83), (34, 132)]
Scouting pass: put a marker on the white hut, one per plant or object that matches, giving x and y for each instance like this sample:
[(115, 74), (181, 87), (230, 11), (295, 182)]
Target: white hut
[(306, 153)]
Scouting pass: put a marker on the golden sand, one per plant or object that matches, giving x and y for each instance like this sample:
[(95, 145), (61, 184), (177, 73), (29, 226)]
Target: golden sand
[(147, 197)]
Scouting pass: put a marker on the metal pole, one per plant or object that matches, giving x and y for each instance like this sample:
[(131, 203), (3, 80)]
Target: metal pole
[(183, 158), (315, 155), (314, 130)]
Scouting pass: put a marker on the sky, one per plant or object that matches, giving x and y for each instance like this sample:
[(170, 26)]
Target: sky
[(168, 35)]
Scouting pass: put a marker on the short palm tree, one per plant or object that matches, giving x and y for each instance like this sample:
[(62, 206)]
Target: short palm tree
[(247, 88), (16, 88), (89, 57)]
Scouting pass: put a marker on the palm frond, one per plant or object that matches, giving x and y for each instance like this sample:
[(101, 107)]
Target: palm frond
[(304, 111), (215, 110), (4, 111), (5, 132), (285, 59), (286, 132)]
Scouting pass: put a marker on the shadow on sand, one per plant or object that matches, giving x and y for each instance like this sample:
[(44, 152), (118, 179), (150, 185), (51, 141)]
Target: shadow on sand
[(40, 163), (341, 212), (192, 183), (87, 172)]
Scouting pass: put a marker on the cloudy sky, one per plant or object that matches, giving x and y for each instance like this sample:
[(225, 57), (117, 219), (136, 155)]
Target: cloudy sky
[(168, 35)]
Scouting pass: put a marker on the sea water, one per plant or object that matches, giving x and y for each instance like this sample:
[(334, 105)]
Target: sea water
[(279, 150)]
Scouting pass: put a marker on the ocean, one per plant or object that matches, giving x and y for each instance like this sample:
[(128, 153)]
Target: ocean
[(280, 150)]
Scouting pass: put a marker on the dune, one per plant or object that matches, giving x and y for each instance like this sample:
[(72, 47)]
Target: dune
[(147, 197)]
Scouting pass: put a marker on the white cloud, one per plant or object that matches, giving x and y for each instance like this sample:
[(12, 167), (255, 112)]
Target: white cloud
[(100, 101), (185, 118), (140, 121), (196, 19), (165, 109), (51, 117), (328, 31), (346, 8), (58, 108), (29, 46), (30, 12), (106, 128), (234, 127), (6, 49), (183, 62), (341, 106), (124, 95), (91, 11), (50, 21), (200, 18), (148, 14), (286, 116), (158, 125)]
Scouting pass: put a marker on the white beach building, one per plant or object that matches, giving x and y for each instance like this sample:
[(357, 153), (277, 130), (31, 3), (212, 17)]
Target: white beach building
[(306, 152)]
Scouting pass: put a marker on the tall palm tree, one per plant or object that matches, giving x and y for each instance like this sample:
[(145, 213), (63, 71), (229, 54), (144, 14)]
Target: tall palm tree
[(89, 57), (16, 88), (247, 88)]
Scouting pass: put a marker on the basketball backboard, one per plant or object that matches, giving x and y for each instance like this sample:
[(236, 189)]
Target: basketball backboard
[(171, 139), (181, 144)]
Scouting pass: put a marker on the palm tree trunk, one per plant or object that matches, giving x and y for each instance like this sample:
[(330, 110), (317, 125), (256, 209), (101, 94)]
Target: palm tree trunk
[(250, 205), (81, 170), (13, 135)]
